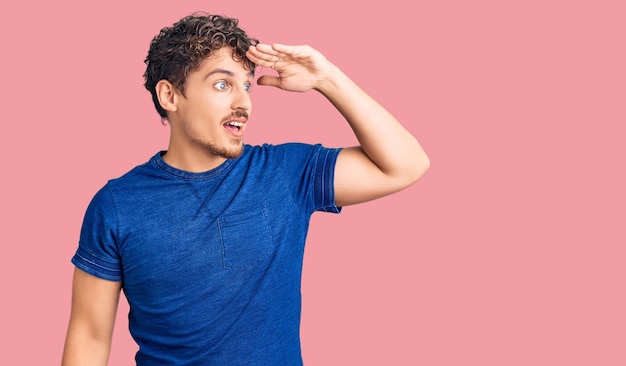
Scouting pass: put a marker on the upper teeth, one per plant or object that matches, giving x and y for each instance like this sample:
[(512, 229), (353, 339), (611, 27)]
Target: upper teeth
[(236, 124)]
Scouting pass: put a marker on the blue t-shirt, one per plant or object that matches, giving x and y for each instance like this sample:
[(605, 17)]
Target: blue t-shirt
[(211, 262)]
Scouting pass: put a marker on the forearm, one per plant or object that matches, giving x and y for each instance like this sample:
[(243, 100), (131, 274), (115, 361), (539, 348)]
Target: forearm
[(384, 140)]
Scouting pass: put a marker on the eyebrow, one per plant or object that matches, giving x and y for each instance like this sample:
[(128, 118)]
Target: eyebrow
[(224, 71)]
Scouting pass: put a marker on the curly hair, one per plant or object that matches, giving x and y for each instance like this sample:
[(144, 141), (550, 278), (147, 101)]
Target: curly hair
[(178, 50)]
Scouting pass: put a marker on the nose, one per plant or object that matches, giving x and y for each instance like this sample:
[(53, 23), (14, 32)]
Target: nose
[(241, 99)]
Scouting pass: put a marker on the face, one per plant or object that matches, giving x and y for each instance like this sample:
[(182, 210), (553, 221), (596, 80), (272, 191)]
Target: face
[(210, 119)]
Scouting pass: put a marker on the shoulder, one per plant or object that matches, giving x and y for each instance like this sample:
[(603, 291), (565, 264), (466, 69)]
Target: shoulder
[(283, 150), (137, 174), (110, 192)]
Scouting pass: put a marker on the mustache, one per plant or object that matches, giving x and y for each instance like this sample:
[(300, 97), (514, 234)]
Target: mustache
[(237, 114)]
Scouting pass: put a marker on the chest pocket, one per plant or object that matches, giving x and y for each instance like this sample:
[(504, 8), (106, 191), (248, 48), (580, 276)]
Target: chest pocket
[(246, 239)]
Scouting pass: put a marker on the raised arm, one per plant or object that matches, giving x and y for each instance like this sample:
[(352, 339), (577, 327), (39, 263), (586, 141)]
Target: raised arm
[(94, 307), (388, 159)]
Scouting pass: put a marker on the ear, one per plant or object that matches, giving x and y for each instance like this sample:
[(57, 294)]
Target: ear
[(166, 93)]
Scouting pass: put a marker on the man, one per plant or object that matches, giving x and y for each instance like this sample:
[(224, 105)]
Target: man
[(206, 239)]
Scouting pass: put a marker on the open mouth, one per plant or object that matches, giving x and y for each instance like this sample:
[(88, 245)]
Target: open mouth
[(234, 127)]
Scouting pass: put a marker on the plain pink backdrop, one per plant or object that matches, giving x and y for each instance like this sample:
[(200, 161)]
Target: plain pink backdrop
[(510, 251)]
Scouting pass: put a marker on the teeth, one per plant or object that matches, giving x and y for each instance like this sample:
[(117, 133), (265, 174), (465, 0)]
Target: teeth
[(236, 124)]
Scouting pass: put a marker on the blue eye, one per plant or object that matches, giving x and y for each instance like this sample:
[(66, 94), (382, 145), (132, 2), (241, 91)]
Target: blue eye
[(221, 85), (247, 86)]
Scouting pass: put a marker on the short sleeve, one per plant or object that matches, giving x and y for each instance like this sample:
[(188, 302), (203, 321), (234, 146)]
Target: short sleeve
[(97, 252), (311, 172)]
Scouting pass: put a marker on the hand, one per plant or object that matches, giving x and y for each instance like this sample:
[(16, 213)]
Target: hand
[(299, 68)]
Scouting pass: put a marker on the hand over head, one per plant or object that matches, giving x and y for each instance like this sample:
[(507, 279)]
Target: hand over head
[(299, 68)]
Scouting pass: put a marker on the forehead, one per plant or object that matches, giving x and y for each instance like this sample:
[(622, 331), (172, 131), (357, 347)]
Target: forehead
[(222, 59)]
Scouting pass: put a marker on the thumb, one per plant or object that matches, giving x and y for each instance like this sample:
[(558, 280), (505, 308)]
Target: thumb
[(268, 80)]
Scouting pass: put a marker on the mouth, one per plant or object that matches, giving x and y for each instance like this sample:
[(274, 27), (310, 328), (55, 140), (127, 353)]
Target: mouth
[(235, 127)]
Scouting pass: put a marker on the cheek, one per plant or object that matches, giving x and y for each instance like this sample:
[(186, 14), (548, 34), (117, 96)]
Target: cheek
[(209, 107), (216, 105)]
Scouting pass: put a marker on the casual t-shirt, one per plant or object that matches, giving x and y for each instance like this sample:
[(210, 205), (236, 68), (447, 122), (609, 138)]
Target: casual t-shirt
[(211, 262)]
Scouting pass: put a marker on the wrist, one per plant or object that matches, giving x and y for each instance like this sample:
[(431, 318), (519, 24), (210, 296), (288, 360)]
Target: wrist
[(332, 81)]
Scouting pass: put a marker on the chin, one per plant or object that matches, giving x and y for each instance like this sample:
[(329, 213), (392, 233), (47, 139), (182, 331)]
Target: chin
[(232, 152)]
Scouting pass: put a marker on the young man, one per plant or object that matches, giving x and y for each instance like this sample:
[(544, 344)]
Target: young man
[(206, 239)]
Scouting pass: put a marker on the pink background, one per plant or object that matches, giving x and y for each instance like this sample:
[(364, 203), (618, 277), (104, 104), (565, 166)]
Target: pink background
[(510, 251)]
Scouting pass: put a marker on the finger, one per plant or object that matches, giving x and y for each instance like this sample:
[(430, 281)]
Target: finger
[(264, 63), (290, 50), (268, 80), (264, 51), (259, 61), (279, 47), (261, 58)]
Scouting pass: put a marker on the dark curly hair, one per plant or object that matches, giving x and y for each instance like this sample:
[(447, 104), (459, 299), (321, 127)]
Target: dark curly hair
[(178, 50)]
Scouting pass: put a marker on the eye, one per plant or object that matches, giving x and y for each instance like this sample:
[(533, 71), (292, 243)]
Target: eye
[(247, 86), (221, 85)]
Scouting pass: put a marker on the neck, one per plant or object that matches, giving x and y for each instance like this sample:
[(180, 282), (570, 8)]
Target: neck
[(192, 161)]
